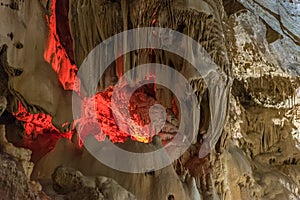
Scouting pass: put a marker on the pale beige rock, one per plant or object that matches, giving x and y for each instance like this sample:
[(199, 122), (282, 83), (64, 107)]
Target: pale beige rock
[(3, 104), (23, 155), (13, 181), (256, 156), (143, 186), (25, 64), (67, 180), (262, 162)]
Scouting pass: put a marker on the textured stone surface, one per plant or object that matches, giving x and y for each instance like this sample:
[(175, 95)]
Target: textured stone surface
[(22, 56), (13, 181), (75, 185), (23, 155), (261, 157), (256, 156), (258, 153), (144, 186), (283, 17)]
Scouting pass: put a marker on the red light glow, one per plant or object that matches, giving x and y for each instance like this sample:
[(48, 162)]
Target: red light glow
[(92, 116), (56, 55)]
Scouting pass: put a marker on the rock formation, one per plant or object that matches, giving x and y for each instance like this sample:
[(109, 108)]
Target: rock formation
[(247, 145), (142, 185)]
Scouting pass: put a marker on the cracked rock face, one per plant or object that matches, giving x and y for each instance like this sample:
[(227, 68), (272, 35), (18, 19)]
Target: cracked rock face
[(282, 17)]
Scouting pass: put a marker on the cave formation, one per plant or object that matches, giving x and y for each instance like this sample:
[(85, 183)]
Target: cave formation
[(233, 126)]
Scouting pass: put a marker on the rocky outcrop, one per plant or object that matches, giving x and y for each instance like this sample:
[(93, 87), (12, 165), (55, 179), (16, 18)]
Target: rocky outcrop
[(282, 17), (74, 185), (23, 155), (22, 57), (13, 181), (260, 155), (15, 172), (148, 185)]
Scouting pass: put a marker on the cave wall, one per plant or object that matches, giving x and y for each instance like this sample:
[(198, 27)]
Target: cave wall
[(254, 43), (261, 158)]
